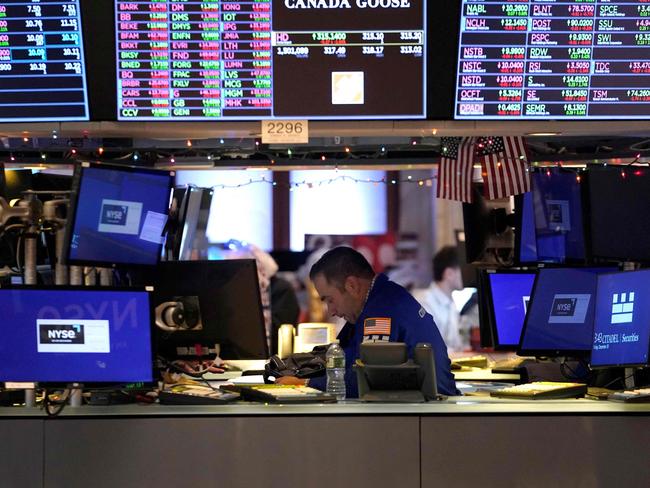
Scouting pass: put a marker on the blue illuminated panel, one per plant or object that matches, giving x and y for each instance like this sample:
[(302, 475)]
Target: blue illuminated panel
[(622, 323), (66, 335), (42, 72)]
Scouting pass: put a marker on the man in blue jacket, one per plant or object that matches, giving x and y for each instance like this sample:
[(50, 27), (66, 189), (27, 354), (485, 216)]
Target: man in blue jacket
[(375, 309)]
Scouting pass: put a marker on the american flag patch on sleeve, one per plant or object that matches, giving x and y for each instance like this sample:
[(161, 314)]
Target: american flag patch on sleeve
[(376, 326)]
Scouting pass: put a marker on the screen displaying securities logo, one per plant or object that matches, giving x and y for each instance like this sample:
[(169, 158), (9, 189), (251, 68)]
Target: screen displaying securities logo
[(58, 335), (120, 217), (622, 308), (569, 309)]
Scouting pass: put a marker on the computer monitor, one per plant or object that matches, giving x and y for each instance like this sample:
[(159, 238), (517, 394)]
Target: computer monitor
[(619, 221), (508, 297), (75, 334), (117, 215), (190, 240), (560, 314), (199, 304), (557, 209), (525, 238), (622, 322)]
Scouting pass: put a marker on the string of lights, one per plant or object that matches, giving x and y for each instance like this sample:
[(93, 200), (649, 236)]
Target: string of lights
[(420, 182)]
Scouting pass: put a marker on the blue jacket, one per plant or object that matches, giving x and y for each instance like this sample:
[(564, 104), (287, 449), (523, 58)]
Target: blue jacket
[(407, 321)]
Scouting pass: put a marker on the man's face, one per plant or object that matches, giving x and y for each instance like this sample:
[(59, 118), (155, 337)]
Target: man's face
[(456, 278), (345, 302)]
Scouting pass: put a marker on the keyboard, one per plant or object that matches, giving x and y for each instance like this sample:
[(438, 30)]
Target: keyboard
[(640, 395), (542, 390), (195, 395), (478, 361), (510, 365)]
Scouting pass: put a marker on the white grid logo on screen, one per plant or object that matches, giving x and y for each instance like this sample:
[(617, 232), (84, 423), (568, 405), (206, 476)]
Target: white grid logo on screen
[(622, 307)]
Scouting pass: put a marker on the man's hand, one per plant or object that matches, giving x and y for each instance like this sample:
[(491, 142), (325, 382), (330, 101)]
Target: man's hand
[(290, 380)]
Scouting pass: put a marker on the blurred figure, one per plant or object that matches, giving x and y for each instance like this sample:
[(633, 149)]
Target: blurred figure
[(437, 300)]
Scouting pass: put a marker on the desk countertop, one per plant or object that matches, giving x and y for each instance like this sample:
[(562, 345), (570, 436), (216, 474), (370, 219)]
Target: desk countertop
[(469, 405)]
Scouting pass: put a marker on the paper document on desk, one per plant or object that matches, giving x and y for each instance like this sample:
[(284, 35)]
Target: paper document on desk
[(254, 379)]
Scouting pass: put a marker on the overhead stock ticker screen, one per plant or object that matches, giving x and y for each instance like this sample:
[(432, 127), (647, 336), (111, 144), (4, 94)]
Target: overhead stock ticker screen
[(41, 61), (262, 59), (546, 59)]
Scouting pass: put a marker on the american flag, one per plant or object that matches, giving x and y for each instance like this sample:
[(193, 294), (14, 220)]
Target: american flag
[(455, 171), (376, 326), (504, 166)]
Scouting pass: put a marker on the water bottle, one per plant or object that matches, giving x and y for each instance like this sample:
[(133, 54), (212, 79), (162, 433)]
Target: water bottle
[(335, 363)]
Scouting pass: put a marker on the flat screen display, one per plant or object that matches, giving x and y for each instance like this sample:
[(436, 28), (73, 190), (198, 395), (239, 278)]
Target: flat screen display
[(75, 335), (510, 293), (118, 216), (622, 323), (542, 59), (619, 220), (221, 305), (561, 312), (42, 70), (557, 213), (243, 60)]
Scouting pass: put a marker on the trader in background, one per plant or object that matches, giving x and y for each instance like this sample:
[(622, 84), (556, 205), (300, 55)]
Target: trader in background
[(436, 299), (374, 308)]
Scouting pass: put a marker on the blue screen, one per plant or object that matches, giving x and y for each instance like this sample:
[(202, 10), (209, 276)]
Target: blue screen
[(528, 244), (622, 323), (75, 336), (557, 211), (120, 216), (561, 313), (510, 295)]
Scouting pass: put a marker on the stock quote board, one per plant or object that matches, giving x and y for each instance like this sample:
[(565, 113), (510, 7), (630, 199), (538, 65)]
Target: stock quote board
[(42, 72), (554, 59), (263, 59)]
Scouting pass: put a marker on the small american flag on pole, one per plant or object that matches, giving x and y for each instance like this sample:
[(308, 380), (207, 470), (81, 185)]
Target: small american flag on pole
[(504, 166), (376, 326), (455, 170)]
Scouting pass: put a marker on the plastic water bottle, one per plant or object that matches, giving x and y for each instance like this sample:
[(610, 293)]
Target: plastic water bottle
[(335, 363)]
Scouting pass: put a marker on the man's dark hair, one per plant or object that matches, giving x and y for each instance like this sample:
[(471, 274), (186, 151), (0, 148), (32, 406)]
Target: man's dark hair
[(339, 263), (447, 257)]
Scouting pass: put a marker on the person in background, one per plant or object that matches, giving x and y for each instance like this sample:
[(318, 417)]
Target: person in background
[(436, 299), (279, 301), (375, 309)]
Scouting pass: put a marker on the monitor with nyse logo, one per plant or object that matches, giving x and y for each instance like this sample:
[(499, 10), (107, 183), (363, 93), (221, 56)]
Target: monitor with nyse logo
[(75, 334), (622, 322), (560, 315), (118, 215)]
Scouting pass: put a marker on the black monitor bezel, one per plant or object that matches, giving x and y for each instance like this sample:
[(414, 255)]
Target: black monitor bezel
[(74, 203), (65, 384), (617, 365), (498, 346)]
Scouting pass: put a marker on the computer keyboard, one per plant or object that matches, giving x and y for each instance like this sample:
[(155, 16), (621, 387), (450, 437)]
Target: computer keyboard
[(542, 390), (509, 365), (478, 361), (640, 395)]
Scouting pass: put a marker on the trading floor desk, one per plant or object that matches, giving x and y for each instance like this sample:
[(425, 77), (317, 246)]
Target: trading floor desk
[(464, 441)]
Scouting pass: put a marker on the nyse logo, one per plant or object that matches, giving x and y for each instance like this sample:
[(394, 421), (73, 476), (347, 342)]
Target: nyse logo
[(61, 333), (114, 214), (569, 308), (622, 308), (564, 307)]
